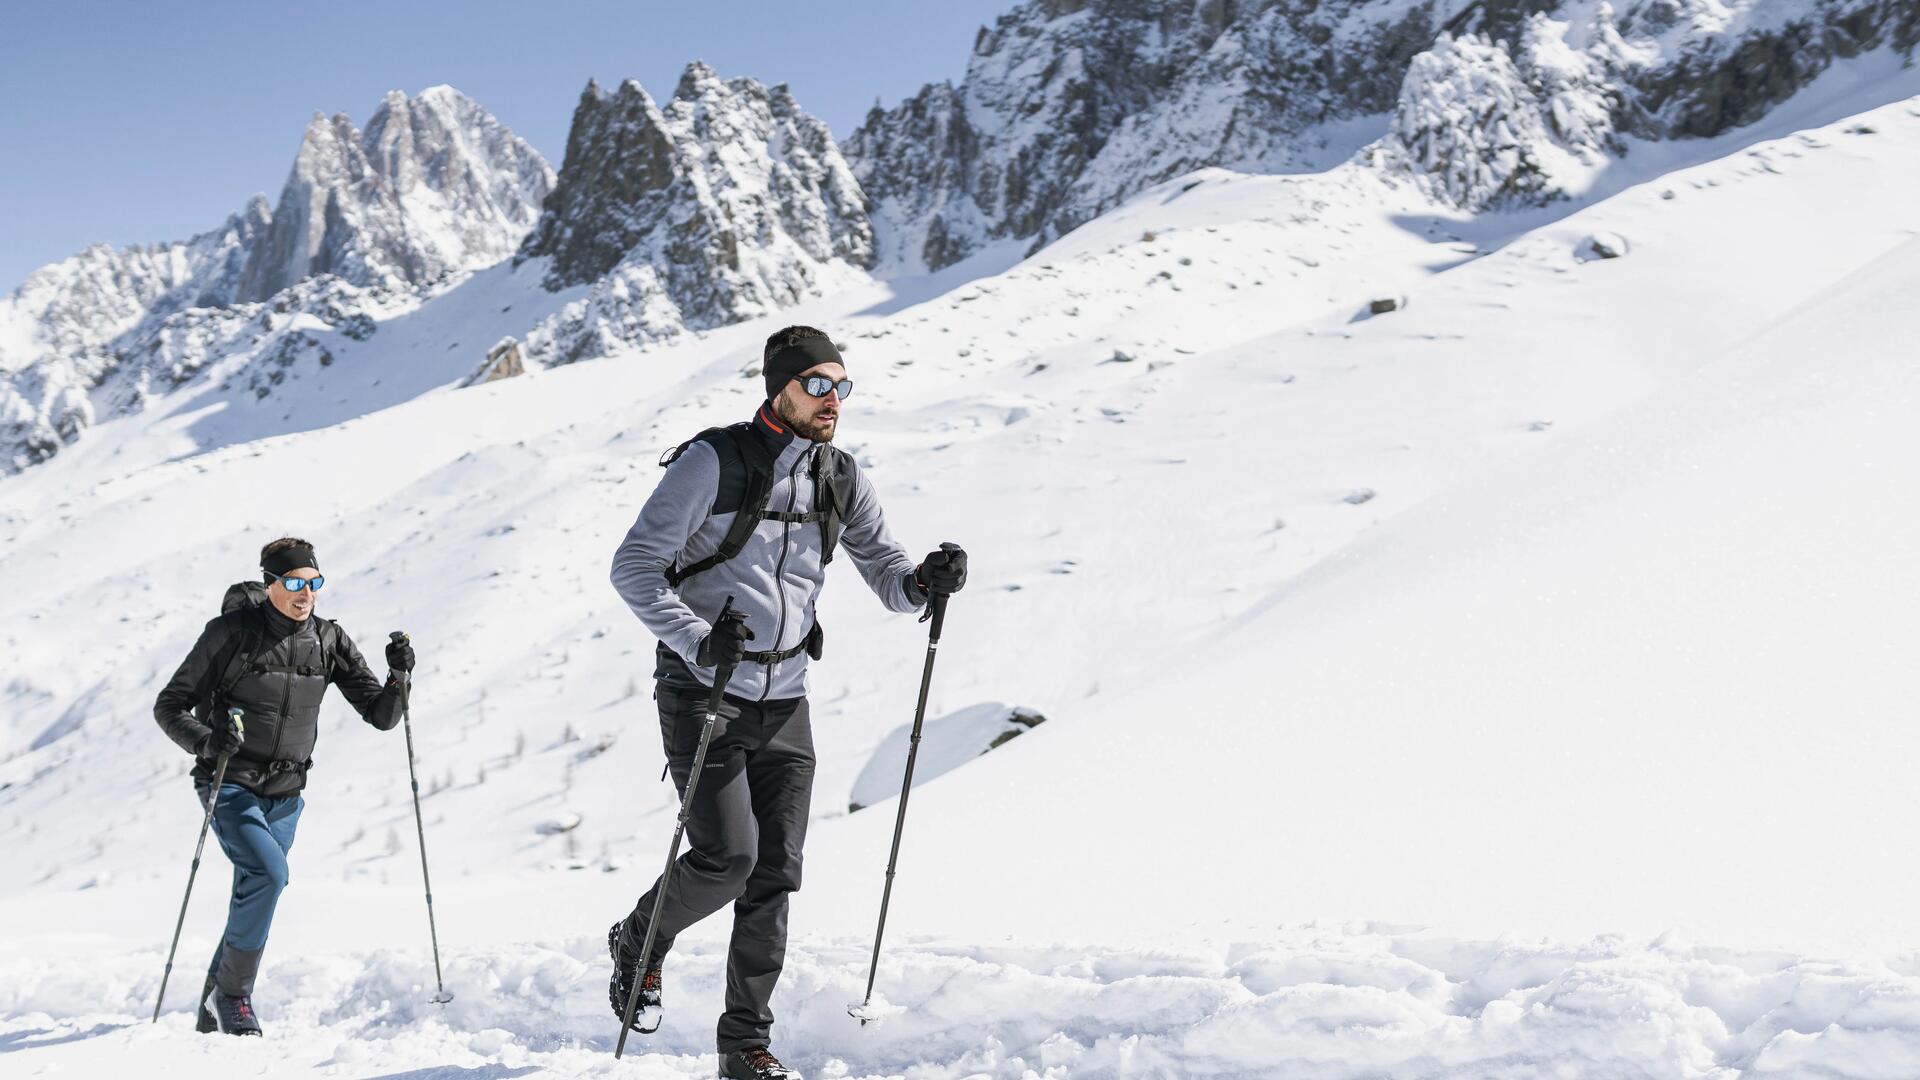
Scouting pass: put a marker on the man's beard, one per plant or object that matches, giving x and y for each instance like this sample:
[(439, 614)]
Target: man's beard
[(809, 429)]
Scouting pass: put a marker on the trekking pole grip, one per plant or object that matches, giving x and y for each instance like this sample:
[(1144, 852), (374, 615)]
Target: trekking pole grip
[(234, 715), (399, 637), (722, 673), (939, 603)]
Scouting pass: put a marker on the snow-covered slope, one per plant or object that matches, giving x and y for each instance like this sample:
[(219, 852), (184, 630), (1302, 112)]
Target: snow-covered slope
[(1421, 686)]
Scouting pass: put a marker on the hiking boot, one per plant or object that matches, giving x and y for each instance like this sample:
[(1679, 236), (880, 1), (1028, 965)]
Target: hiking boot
[(647, 1012), (203, 1022), (754, 1063), (232, 1015)]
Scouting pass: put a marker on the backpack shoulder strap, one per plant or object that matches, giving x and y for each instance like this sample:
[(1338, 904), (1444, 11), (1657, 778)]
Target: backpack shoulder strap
[(746, 481), (833, 488), (243, 646), (329, 632)]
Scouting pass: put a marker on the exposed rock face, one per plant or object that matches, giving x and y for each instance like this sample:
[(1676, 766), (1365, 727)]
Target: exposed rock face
[(435, 184), (503, 362), (1069, 106), (1469, 127), (725, 202), (71, 312), (88, 299), (1524, 101)]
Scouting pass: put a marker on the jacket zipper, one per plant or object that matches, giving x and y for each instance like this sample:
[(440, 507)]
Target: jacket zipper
[(780, 570), (286, 696)]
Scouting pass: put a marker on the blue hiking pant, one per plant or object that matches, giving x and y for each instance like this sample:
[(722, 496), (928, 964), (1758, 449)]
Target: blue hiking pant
[(256, 833)]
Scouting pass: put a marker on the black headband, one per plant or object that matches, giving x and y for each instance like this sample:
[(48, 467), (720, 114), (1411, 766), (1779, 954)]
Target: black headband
[(802, 355), (292, 558)]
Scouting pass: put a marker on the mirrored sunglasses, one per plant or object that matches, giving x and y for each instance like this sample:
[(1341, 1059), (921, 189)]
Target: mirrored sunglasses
[(818, 385), (295, 584)]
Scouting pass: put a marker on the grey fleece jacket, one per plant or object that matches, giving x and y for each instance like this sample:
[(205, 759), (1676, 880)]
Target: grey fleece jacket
[(775, 579)]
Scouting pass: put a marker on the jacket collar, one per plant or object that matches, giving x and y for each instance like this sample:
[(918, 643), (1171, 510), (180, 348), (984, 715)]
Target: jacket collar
[(773, 429), (280, 626)]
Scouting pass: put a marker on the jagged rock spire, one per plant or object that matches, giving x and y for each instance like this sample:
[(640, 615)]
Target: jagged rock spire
[(724, 201), (434, 184)]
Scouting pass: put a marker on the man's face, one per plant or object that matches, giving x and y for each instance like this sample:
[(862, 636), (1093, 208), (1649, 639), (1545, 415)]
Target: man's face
[(294, 605), (814, 418)]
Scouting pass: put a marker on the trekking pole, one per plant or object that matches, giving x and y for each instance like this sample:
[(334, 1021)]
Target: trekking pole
[(721, 675), (213, 796), (440, 997), (863, 1011)]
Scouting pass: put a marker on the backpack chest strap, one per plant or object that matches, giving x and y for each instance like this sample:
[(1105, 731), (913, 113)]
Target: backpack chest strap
[(772, 656), (286, 669), (801, 518)]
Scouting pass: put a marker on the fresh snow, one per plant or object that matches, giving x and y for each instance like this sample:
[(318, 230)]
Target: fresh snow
[(1577, 749)]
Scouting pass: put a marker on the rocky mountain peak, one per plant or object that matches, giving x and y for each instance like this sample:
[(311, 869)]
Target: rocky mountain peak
[(698, 79), (434, 184), (1070, 106), (724, 201), (1521, 101)]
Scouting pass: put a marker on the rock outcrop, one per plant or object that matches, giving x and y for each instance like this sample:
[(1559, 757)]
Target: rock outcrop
[(725, 202)]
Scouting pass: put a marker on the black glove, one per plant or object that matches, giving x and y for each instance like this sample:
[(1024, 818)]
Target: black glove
[(943, 572), (727, 644), (222, 740), (399, 653)]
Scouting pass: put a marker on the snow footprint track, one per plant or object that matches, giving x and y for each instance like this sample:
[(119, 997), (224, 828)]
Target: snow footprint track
[(1332, 1002)]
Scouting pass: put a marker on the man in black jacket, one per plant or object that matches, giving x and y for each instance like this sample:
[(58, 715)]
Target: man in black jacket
[(273, 660)]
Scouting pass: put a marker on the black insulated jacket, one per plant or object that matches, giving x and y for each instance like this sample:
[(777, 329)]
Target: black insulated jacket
[(279, 670)]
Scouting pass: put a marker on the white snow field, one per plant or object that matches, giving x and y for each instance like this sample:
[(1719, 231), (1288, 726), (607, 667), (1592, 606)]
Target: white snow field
[(1515, 684)]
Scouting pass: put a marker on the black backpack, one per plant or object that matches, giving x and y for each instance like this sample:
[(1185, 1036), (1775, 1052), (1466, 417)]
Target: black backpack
[(250, 599), (746, 483)]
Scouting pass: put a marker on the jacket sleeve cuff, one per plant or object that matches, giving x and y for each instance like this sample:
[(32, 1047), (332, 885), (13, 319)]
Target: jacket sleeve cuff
[(688, 647)]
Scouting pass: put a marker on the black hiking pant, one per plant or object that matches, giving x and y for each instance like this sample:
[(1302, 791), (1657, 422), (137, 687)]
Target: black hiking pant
[(745, 830)]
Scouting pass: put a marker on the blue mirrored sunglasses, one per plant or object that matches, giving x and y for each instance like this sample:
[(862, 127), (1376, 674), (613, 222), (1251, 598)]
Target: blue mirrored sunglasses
[(818, 385), (295, 584)]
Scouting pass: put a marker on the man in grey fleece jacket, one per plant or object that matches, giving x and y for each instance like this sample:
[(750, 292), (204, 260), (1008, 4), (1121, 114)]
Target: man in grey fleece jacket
[(749, 817)]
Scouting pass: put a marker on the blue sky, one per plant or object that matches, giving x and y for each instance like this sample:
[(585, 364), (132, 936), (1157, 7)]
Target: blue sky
[(136, 122)]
